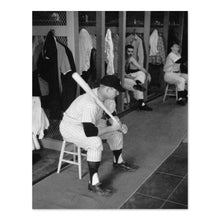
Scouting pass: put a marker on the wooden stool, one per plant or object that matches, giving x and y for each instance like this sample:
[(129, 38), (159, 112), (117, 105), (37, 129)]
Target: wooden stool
[(170, 90), (77, 157)]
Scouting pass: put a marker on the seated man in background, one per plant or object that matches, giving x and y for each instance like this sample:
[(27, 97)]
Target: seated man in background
[(135, 78), (173, 74)]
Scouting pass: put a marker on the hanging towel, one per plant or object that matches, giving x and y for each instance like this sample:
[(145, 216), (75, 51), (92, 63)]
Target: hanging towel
[(85, 47), (153, 43), (39, 120), (109, 53)]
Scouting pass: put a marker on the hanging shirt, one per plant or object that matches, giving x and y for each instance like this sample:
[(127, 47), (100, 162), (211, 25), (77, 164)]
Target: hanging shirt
[(63, 63), (160, 56), (137, 43), (153, 43), (109, 53), (85, 47)]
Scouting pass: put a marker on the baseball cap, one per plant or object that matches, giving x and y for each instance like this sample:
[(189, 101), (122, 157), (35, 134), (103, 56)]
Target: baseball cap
[(112, 81)]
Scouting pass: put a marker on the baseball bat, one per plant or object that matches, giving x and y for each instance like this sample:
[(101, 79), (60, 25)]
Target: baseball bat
[(88, 90)]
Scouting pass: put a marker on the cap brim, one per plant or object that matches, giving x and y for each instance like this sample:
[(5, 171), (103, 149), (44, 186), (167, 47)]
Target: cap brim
[(120, 89)]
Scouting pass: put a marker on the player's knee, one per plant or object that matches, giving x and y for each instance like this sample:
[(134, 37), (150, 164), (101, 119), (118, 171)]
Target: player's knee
[(96, 143)]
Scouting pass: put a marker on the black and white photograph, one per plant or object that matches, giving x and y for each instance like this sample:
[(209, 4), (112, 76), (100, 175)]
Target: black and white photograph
[(110, 109)]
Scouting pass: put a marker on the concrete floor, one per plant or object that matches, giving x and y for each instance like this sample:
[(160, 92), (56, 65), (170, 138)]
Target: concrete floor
[(161, 182)]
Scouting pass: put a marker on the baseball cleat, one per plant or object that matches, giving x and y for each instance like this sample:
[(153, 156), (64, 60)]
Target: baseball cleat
[(139, 87), (98, 190), (145, 108), (125, 166), (180, 102)]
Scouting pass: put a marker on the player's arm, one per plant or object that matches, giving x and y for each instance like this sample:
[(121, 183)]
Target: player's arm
[(138, 66), (91, 130)]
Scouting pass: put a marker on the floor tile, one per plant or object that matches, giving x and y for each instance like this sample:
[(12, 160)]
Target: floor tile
[(171, 205), (181, 151), (159, 185), (180, 195), (47, 163), (138, 201), (175, 165)]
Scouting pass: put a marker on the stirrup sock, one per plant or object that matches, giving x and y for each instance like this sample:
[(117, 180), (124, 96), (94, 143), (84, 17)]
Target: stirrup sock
[(93, 171), (118, 156)]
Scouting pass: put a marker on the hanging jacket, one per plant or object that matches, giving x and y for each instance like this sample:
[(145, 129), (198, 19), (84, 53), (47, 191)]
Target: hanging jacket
[(48, 70), (63, 63), (69, 85)]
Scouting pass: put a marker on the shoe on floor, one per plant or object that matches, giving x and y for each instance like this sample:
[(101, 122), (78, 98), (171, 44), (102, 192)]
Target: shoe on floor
[(125, 166), (145, 108), (139, 87), (180, 102), (98, 190)]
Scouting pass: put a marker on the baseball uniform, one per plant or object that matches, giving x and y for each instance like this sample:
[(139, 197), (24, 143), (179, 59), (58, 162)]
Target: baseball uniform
[(85, 110)]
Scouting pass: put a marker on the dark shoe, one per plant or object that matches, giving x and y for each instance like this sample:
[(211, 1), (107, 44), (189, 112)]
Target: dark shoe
[(98, 190), (138, 82), (139, 87), (145, 108), (180, 102), (125, 166)]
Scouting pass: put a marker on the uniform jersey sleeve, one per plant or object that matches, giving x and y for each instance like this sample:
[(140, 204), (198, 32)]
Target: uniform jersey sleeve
[(90, 114)]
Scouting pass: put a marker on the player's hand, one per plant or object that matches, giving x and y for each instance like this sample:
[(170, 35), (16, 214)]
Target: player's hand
[(116, 125), (111, 120), (129, 76), (124, 128)]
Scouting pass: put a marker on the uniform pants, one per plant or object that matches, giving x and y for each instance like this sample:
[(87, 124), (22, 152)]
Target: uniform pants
[(129, 83), (179, 79), (74, 133)]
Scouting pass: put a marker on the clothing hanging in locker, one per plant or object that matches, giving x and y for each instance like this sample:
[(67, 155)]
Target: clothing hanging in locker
[(115, 39), (40, 122), (85, 48), (69, 85), (157, 54), (109, 53), (53, 63)]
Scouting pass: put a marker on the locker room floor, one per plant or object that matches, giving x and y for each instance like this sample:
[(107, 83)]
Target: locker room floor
[(152, 194), (166, 187)]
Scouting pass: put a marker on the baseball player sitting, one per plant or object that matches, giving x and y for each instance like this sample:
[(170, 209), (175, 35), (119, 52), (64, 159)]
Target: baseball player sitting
[(173, 74), (85, 125), (135, 78)]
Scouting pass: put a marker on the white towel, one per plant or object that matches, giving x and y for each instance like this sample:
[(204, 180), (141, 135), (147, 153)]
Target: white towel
[(40, 121)]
